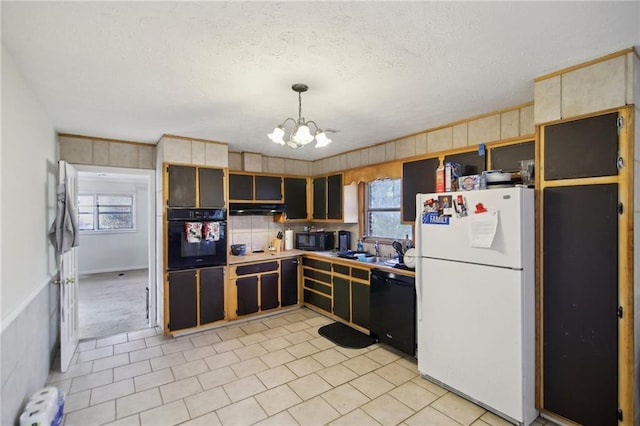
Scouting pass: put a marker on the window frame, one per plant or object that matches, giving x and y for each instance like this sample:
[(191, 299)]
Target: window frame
[(366, 209), (96, 212)]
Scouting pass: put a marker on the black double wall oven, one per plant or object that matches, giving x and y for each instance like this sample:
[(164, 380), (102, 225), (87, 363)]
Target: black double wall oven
[(197, 238)]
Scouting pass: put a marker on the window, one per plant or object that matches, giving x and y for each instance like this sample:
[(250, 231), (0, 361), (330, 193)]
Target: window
[(106, 212), (383, 210)]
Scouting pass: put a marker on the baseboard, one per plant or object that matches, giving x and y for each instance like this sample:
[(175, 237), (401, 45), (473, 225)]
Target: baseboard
[(102, 271)]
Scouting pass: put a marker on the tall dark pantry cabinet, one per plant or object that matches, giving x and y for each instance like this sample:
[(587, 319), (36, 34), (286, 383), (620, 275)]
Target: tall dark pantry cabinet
[(586, 274)]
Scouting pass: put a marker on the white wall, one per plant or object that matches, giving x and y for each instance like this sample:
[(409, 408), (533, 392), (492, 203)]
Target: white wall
[(106, 252), (28, 300)]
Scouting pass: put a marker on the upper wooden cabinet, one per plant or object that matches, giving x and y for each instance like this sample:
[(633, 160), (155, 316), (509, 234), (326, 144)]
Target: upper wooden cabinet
[(333, 201), (334, 197), (320, 198), (418, 177), (295, 198), (508, 157), (582, 148), (194, 186), (240, 187), (471, 163), (252, 187)]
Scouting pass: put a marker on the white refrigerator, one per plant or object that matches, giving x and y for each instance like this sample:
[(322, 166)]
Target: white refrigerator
[(475, 272)]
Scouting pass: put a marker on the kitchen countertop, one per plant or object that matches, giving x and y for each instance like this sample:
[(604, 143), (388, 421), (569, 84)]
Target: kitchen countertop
[(330, 255), (266, 256)]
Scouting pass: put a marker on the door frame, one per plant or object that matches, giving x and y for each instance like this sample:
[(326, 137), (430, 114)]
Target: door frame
[(151, 232)]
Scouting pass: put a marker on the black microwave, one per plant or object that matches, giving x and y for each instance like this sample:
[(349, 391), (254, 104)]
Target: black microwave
[(318, 241)]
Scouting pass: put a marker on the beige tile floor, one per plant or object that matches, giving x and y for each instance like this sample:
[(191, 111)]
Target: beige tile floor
[(270, 371)]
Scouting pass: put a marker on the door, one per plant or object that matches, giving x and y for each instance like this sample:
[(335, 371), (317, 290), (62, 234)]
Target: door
[(418, 177), (320, 198), (269, 291), (211, 185), (295, 197), (334, 197), (580, 287), (289, 282), (68, 266), (247, 295), (183, 298), (211, 295), (341, 299), (182, 186)]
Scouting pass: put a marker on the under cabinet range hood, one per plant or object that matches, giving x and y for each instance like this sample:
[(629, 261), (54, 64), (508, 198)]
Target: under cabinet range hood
[(255, 209)]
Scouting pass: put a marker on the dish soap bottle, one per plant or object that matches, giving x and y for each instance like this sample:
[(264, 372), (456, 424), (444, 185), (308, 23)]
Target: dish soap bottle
[(360, 247)]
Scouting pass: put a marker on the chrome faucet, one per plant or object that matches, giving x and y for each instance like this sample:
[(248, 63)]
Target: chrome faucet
[(376, 247)]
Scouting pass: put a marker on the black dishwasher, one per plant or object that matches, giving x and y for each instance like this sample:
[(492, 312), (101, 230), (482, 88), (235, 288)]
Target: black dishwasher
[(393, 310)]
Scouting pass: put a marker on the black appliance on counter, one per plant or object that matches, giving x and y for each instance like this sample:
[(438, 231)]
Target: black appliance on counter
[(344, 241), (208, 250), (315, 241), (393, 310)]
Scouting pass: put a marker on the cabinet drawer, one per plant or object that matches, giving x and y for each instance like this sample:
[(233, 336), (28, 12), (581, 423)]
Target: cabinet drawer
[(318, 287), (317, 275), (317, 264), (256, 268), (340, 269), (363, 274), (317, 300)]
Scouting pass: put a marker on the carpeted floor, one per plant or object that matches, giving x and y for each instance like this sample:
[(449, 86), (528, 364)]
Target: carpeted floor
[(112, 303)]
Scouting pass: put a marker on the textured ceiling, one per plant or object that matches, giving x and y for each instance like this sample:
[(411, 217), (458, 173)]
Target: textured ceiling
[(223, 70)]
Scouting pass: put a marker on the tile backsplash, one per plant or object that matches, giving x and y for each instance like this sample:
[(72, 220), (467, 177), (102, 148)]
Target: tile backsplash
[(258, 231)]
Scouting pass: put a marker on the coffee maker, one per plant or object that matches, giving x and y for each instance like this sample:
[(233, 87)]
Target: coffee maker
[(344, 241)]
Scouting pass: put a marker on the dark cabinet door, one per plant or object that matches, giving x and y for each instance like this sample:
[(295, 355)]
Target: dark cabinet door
[(320, 198), (182, 300), (211, 295), (182, 186), (295, 197), (418, 177), (211, 183), (334, 197), (580, 288), (582, 148), (247, 295), (289, 281), (508, 157), (341, 298), (471, 162), (269, 291), (317, 300), (360, 304), (240, 187), (268, 188)]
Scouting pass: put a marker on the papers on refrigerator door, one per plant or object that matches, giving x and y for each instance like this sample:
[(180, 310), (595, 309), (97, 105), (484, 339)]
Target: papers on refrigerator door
[(482, 228)]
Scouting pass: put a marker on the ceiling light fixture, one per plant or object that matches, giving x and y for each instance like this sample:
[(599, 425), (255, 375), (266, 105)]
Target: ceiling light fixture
[(300, 134)]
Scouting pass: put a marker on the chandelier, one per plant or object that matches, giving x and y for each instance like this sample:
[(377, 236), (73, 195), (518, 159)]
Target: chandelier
[(301, 134)]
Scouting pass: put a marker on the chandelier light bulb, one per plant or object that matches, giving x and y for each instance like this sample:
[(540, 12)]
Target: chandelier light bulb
[(277, 135)]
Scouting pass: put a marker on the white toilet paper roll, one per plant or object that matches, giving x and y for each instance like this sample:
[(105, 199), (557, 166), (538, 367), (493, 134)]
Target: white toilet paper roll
[(288, 239)]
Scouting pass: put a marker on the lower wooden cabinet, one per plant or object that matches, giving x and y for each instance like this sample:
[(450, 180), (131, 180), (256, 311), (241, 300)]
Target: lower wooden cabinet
[(211, 295), (195, 298), (338, 288), (289, 281), (342, 298), (269, 291), (247, 288), (360, 304), (263, 286), (183, 299)]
